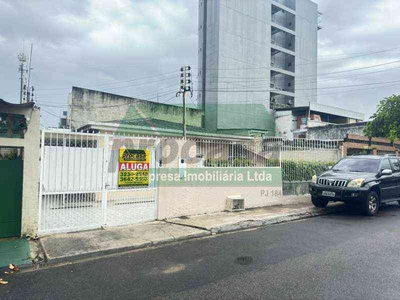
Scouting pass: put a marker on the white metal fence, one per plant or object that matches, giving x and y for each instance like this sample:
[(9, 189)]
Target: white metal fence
[(301, 159), (79, 182), (226, 153), (79, 186)]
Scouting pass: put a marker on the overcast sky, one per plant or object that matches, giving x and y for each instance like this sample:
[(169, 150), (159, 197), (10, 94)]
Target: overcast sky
[(106, 45)]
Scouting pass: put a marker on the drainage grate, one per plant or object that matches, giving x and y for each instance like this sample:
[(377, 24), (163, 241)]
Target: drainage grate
[(244, 260)]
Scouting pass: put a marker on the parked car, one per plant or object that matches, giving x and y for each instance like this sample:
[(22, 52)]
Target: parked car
[(366, 180)]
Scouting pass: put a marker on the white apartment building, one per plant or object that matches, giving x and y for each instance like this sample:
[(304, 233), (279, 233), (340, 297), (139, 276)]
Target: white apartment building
[(256, 56)]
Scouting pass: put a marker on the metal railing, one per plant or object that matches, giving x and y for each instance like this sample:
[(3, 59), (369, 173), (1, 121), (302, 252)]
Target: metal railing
[(229, 154), (303, 158), (288, 3)]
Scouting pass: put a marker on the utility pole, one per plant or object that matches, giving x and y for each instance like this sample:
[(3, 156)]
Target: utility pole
[(184, 115), (22, 61), (186, 86)]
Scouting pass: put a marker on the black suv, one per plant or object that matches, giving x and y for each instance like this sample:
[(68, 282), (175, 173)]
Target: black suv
[(367, 180)]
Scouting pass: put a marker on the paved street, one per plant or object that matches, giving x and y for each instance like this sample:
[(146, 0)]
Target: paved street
[(342, 256)]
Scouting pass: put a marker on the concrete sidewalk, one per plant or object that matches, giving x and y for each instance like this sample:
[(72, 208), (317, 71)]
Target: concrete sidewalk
[(72, 246), (231, 221)]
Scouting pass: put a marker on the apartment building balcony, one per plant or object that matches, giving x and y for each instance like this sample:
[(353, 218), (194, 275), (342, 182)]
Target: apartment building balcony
[(282, 61), (283, 18), (283, 39), (281, 101), (288, 3), (282, 84)]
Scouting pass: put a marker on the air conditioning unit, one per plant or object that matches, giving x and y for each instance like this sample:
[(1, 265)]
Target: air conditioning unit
[(234, 203)]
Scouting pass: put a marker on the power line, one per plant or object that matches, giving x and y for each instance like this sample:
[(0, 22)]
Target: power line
[(111, 105), (115, 88), (136, 96), (257, 79), (329, 73), (131, 80), (274, 90), (355, 53), (269, 68), (238, 80), (274, 24)]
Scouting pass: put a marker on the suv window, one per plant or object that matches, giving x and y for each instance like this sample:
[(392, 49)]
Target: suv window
[(352, 164), (395, 165), (385, 164)]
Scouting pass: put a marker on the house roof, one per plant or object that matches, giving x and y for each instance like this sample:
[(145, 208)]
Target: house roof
[(8, 104), (151, 122), (157, 127), (326, 109)]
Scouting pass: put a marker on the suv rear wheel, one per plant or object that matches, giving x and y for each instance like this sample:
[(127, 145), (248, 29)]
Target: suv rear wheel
[(371, 204), (319, 202)]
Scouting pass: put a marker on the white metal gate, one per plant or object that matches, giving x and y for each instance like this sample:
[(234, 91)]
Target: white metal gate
[(79, 182)]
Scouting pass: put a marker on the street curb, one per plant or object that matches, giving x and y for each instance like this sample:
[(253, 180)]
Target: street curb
[(247, 224), (49, 261)]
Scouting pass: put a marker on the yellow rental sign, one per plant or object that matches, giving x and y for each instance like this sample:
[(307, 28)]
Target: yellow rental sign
[(134, 167)]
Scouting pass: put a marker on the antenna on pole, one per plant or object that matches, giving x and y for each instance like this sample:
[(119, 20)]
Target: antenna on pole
[(22, 61), (30, 89)]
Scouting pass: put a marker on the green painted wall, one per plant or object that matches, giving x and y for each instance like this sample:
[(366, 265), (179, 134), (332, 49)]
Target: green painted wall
[(171, 113), (96, 106), (239, 118)]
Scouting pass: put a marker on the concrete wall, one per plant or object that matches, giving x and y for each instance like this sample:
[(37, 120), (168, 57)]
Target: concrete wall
[(93, 106), (285, 123), (184, 201), (335, 132), (315, 123), (31, 145), (327, 155)]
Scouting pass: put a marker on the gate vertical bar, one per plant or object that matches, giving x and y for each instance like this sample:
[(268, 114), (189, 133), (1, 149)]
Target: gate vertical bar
[(104, 183), (157, 150), (41, 181)]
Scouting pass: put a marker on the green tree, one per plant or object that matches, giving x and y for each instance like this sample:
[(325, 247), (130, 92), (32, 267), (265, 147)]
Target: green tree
[(386, 120)]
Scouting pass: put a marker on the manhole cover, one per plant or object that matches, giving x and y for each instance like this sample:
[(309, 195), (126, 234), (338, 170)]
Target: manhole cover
[(244, 260)]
